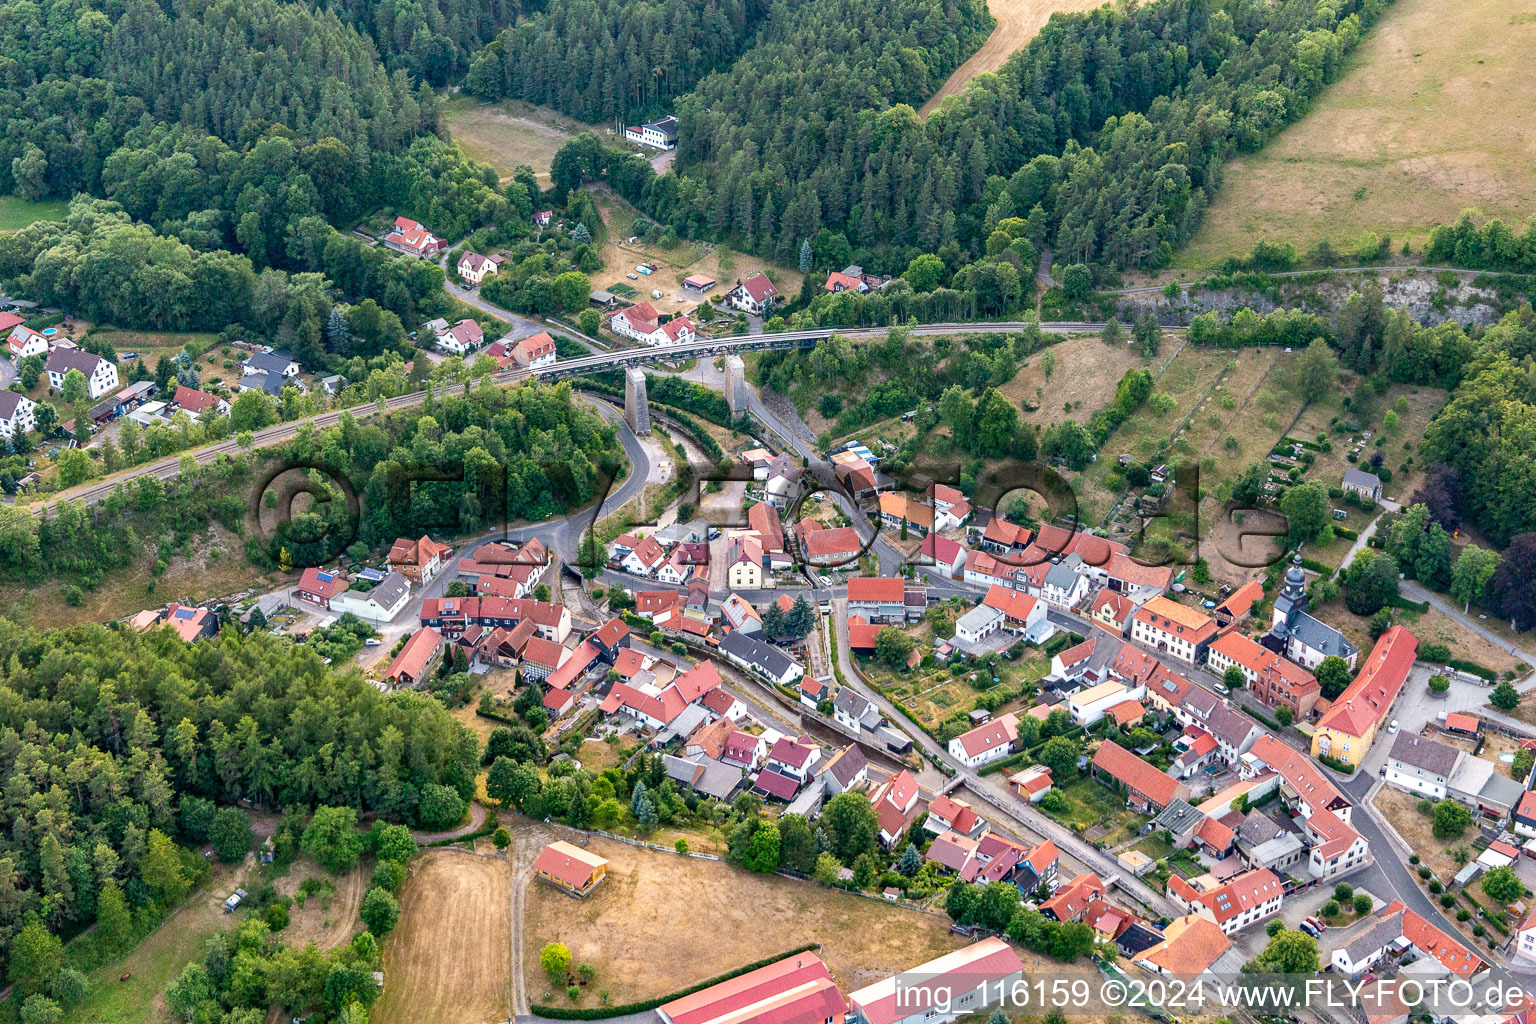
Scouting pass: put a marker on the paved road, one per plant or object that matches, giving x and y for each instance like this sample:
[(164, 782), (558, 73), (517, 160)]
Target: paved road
[(1031, 820), (7, 373), (522, 326)]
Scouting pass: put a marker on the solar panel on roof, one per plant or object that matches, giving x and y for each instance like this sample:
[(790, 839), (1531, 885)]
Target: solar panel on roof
[(324, 577), (185, 613)]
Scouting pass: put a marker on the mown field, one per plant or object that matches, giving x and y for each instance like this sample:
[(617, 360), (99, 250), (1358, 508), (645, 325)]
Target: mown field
[(510, 133), (16, 214), (1436, 113)]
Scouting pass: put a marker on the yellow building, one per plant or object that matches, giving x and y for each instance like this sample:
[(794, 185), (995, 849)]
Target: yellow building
[(570, 868), (1346, 730)]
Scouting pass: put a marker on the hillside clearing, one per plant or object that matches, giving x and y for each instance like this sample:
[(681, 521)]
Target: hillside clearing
[(16, 214), (660, 922), (1017, 23), (1433, 115), (509, 133), (448, 958)]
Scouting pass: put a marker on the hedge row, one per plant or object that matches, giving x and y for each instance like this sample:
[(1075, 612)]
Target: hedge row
[(1411, 606), (601, 1012), (1474, 668)]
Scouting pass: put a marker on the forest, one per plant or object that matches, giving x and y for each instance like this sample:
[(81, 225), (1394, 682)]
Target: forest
[(525, 453), (1106, 134), (598, 61), (113, 743)]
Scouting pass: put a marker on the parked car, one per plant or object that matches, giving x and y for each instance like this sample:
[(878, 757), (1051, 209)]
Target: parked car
[(1316, 923), (1221, 689), (371, 642), (1393, 727), (130, 355), (633, 277), (1309, 930), (234, 901)]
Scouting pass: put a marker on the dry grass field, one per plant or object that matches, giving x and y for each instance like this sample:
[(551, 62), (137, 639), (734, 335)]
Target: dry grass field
[(1433, 115), (1328, 470), (328, 922), (1017, 23), (1430, 627), (450, 956), (510, 133), (1085, 374), (660, 922)]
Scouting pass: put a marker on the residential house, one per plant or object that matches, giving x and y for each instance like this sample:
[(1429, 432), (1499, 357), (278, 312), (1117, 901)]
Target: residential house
[(1135, 580), (278, 363), (386, 600), (1523, 943), (1362, 484), (945, 555), (1274, 680), (738, 616), (1004, 538), (418, 560), (100, 374), (1072, 900), (1146, 788), (744, 563), (1245, 900), (1196, 749), (854, 711), (1112, 612), (197, 403), (966, 981), (643, 322), (191, 624), (788, 766), (1346, 730), (755, 295), (857, 478), (570, 868), (1399, 932), (1264, 844), (1089, 706), (1306, 789), (1180, 630), (977, 624), (661, 134), (764, 519), (1190, 945), (462, 338), (1421, 765), (321, 586), (986, 743), (452, 615), (783, 483), (541, 658), (946, 814), (1064, 585), (645, 559), (18, 414), (895, 804), (413, 239), (950, 501), (832, 547), (1524, 820), (475, 268), (416, 659), (24, 341), (744, 750), (534, 351), (845, 770), (877, 599), (761, 659), (1021, 612)]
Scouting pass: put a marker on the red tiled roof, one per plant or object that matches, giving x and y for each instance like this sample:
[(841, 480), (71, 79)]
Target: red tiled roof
[(960, 815), (1137, 774), (1124, 567), (941, 549), (579, 661), (1366, 701), (413, 657), (1455, 957), (1127, 711), (192, 400), (568, 864), (1014, 604), (543, 652), (322, 582), (844, 540), (759, 287), (1462, 722), (890, 589), (999, 733), (1241, 601), (797, 990)]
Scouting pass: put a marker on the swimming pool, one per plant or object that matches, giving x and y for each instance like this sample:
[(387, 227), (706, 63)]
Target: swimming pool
[(50, 332)]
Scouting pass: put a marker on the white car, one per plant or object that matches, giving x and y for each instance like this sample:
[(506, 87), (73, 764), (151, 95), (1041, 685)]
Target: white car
[(1393, 727), (371, 642)]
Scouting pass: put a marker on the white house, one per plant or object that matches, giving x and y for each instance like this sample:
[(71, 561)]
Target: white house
[(475, 268), (986, 743), (463, 337), (24, 342), (765, 660), (978, 624), (660, 134), (755, 295), (18, 414), (386, 600), (277, 363), (642, 322), (1064, 587), (1421, 765), (1088, 706), (645, 558), (100, 374), (535, 351), (1525, 942)]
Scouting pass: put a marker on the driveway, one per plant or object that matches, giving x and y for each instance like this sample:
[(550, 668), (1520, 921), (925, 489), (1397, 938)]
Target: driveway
[(7, 373)]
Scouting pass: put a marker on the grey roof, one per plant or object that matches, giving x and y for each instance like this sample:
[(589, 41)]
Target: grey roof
[(844, 766), (1200, 701), (1322, 637), (854, 704), (1501, 790), (1229, 726), (272, 362), (1423, 752), (62, 360), (754, 652), (687, 720), (1360, 478), (271, 383), (704, 774), (9, 401), (1257, 828), (1377, 937), (1178, 817), (390, 589), (1062, 577)]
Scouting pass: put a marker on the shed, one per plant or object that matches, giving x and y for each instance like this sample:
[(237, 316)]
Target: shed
[(699, 282), (602, 299)]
